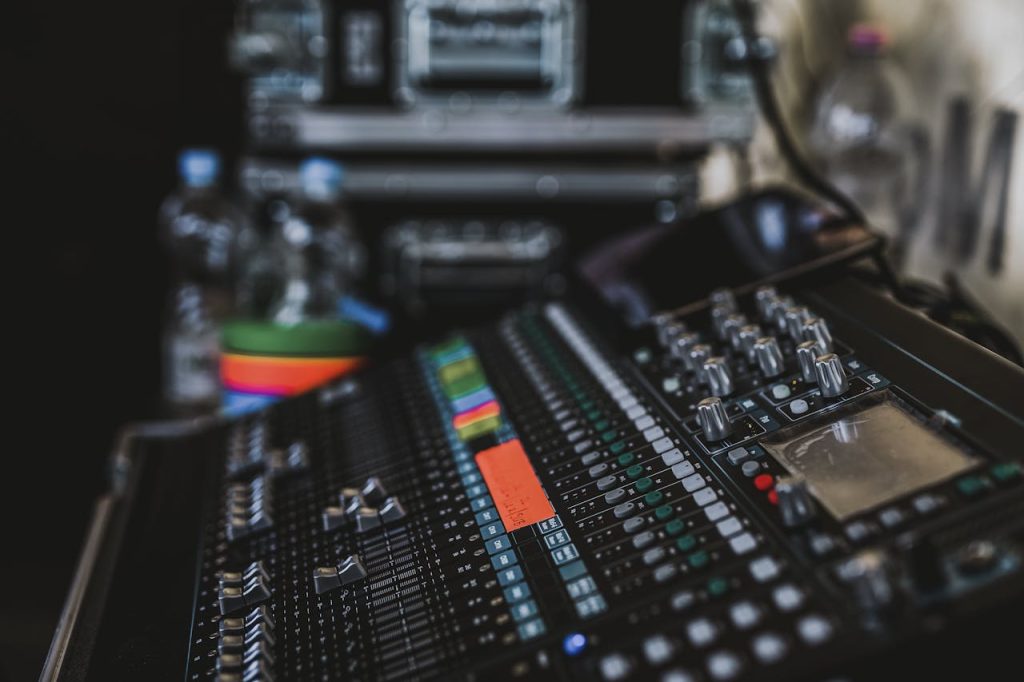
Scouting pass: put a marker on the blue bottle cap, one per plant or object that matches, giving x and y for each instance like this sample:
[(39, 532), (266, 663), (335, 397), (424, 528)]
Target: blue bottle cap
[(199, 167), (320, 177)]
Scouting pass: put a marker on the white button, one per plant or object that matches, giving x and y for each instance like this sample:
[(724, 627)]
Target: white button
[(705, 496), (745, 615), (769, 647), (670, 384), (636, 412), (788, 597), (644, 422), (654, 555), (615, 667), (694, 482), (658, 649), (627, 402), (799, 406), (701, 632), (664, 572), (682, 469), (672, 457), (654, 433), (677, 676), (764, 569), (682, 600), (663, 445), (716, 511), (724, 665), (741, 544), (729, 526), (780, 391), (814, 629)]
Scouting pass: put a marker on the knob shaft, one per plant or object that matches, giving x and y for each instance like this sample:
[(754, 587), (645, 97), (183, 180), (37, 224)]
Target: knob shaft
[(806, 353), (816, 329), (828, 370), (713, 420), (718, 375), (769, 356), (795, 501)]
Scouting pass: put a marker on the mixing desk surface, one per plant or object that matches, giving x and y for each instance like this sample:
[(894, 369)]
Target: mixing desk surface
[(769, 484)]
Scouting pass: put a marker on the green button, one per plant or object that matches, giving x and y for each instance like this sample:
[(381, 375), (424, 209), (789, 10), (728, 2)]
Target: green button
[(594, 415), (1006, 471), (586, 405), (675, 527), (601, 425), (626, 459), (609, 436), (698, 559), (717, 587), (971, 485), (635, 470), (664, 511), (618, 447), (687, 542), (653, 498), (644, 484)]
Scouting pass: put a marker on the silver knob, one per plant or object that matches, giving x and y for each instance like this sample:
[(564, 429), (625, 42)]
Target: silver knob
[(762, 297), (806, 353), (666, 328), (816, 329), (795, 318), (724, 298), (747, 336), (795, 501), (780, 309), (681, 345), (731, 327), (698, 354), (869, 575), (718, 376), (828, 370), (718, 317), (769, 357), (713, 420)]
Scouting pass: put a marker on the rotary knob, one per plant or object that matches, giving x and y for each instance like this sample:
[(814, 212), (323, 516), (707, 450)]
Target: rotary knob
[(806, 353), (713, 420), (698, 354), (795, 318), (795, 503), (681, 345), (718, 316), (816, 329), (869, 575), (768, 355), (762, 297), (828, 370), (731, 328), (666, 328), (747, 335), (718, 376), (723, 298)]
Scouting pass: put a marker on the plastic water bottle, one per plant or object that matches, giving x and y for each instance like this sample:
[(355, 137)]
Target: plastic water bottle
[(862, 136), (203, 234), (318, 253)]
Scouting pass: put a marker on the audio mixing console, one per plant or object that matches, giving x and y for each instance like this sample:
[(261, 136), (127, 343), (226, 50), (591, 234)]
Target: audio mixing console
[(806, 482)]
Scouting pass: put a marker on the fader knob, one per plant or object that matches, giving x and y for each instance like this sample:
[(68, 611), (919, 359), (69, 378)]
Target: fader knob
[(806, 353), (795, 503), (713, 420), (681, 345), (828, 370), (718, 376), (816, 329), (698, 354), (768, 355)]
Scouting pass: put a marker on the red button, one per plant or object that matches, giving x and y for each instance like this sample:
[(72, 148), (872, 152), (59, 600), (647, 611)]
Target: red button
[(773, 497), (764, 481)]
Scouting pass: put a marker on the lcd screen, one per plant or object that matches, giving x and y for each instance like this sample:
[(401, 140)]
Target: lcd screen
[(866, 454)]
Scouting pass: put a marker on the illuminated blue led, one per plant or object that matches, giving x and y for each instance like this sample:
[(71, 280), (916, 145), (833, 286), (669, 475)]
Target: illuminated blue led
[(574, 644)]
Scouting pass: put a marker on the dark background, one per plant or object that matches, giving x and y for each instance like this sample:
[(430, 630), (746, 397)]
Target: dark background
[(97, 100)]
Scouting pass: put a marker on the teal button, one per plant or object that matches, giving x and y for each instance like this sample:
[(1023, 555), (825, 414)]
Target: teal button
[(644, 484), (626, 459), (664, 511), (654, 498), (675, 527), (687, 542), (635, 470), (698, 559)]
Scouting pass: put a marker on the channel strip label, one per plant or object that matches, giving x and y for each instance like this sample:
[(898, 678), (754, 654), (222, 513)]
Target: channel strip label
[(513, 485)]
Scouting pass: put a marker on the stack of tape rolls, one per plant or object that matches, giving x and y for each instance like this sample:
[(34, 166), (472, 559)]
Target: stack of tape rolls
[(262, 362)]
